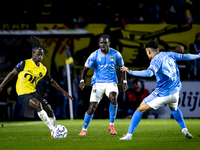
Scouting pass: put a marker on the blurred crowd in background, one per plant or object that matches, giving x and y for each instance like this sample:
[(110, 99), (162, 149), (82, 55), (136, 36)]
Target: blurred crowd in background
[(78, 13)]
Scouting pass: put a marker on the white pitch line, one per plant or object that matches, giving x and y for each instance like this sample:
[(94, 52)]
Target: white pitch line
[(19, 124)]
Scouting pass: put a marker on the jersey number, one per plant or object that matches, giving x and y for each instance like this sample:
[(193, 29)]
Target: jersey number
[(31, 78)]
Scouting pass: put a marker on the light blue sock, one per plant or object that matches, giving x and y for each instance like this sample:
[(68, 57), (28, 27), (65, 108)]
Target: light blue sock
[(135, 121), (179, 117), (87, 120), (113, 112)]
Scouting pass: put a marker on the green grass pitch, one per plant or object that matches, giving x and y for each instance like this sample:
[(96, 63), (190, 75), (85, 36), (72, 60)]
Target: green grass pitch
[(156, 134)]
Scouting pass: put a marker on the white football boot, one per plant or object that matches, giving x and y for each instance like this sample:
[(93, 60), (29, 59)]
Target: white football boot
[(126, 137), (186, 133)]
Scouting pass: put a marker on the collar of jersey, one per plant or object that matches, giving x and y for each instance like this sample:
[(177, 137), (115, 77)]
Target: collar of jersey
[(155, 55)]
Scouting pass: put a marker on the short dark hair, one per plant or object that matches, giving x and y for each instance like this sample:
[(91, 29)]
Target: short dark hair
[(152, 44), (105, 36)]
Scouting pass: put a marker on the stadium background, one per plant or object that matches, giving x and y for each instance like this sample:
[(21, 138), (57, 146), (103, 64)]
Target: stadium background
[(128, 39)]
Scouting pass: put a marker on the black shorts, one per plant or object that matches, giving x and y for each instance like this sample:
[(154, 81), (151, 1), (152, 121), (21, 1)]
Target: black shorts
[(24, 99)]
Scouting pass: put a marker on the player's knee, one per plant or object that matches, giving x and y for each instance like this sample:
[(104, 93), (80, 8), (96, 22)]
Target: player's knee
[(49, 110), (36, 104), (92, 108), (144, 108), (91, 111), (113, 98)]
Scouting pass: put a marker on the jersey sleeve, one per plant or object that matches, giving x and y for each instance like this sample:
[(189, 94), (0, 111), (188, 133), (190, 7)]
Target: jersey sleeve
[(120, 61), (143, 73), (177, 56), (90, 61), (47, 77), (20, 66)]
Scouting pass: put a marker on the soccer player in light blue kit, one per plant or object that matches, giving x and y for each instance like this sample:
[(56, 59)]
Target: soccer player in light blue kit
[(163, 66), (104, 61)]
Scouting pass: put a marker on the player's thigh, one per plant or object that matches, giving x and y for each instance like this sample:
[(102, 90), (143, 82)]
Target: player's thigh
[(25, 100), (173, 103), (154, 101), (98, 90), (111, 87), (144, 107)]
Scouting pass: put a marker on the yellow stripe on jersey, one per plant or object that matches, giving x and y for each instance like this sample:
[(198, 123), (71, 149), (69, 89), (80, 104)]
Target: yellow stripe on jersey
[(29, 77)]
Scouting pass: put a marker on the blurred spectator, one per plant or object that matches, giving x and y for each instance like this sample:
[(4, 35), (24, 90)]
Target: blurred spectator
[(183, 11), (138, 12), (188, 19), (114, 28), (116, 20), (196, 8), (134, 96), (195, 65), (96, 11), (183, 66), (61, 79), (79, 21)]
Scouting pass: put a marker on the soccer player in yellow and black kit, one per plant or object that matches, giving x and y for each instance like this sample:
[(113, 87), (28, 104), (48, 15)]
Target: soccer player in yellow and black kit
[(30, 71)]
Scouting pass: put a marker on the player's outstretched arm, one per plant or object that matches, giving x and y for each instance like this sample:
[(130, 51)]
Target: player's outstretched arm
[(191, 56), (143, 73), (8, 78), (55, 85), (83, 75)]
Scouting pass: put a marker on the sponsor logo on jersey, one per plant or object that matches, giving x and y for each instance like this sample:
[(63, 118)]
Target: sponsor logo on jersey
[(94, 90), (30, 71)]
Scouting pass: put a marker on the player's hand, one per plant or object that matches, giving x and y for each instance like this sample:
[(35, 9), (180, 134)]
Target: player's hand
[(67, 95), (82, 85), (124, 87), (123, 68)]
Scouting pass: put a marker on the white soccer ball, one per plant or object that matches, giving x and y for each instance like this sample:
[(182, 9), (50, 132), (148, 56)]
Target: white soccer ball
[(59, 131)]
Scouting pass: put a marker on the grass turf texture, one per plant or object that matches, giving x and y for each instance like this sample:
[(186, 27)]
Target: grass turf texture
[(149, 135)]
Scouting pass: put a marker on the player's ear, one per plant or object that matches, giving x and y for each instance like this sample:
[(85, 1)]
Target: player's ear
[(109, 43), (148, 51)]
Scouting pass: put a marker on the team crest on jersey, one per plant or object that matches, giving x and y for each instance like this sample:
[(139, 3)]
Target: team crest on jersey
[(94, 90), (112, 58)]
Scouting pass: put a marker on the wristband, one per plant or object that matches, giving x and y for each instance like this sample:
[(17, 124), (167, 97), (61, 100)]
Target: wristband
[(81, 80), (124, 81)]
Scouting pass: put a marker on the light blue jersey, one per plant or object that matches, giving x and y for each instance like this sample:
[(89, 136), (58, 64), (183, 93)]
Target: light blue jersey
[(104, 65), (166, 71)]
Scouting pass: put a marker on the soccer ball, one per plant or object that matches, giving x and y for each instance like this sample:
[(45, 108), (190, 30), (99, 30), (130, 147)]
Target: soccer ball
[(59, 132)]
